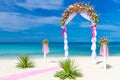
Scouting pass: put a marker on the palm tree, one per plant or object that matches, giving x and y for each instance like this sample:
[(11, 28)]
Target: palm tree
[(69, 70), (25, 62)]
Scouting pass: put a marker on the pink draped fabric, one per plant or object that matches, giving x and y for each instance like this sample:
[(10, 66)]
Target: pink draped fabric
[(63, 31), (104, 50), (93, 32), (45, 49)]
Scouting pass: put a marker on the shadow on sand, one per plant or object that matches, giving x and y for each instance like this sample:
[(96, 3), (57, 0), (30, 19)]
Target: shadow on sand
[(99, 62), (108, 66), (53, 61)]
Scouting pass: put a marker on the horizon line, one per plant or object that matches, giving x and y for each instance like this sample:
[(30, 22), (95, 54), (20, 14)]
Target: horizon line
[(55, 42)]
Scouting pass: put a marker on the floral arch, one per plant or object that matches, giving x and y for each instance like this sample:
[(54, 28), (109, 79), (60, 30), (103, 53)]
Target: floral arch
[(86, 12)]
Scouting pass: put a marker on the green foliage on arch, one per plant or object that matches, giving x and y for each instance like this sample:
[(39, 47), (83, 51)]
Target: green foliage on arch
[(79, 8)]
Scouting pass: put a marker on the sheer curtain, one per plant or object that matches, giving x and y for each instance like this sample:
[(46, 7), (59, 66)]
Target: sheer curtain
[(70, 18), (85, 15)]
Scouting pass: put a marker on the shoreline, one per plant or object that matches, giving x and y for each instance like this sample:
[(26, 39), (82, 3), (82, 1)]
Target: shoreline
[(49, 56)]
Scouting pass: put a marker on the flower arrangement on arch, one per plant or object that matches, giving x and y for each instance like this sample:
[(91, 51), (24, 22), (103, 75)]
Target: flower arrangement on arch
[(79, 8)]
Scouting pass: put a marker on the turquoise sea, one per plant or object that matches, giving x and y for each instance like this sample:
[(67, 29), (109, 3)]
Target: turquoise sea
[(56, 49)]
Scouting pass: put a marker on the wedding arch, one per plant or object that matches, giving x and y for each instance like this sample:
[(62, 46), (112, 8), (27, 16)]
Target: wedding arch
[(86, 12)]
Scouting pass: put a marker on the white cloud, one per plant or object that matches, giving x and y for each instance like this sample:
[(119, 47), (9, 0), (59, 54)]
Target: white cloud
[(115, 30), (117, 1), (108, 27), (113, 34), (44, 4), (47, 20), (17, 21), (85, 24), (100, 26)]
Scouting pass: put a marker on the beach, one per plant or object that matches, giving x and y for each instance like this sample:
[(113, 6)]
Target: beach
[(50, 31), (45, 71)]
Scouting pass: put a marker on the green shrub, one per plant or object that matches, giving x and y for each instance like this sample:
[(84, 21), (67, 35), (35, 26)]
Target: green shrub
[(25, 62), (69, 70)]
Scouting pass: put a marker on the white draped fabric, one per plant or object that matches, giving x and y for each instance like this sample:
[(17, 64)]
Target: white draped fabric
[(85, 15), (95, 32), (93, 40), (66, 45), (70, 18), (93, 46)]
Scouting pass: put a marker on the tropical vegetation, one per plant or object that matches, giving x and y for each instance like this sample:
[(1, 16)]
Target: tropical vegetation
[(25, 62), (69, 70)]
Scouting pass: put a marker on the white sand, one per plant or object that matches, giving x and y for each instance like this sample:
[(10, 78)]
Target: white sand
[(90, 71)]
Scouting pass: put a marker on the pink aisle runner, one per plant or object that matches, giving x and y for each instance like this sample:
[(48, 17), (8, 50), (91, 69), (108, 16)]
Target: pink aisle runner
[(27, 74)]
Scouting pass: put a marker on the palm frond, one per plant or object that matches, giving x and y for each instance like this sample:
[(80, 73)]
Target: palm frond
[(25, 62), (69, 70)]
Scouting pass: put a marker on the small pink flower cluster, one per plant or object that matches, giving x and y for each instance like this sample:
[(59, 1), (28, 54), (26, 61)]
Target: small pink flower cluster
[(103, 40)]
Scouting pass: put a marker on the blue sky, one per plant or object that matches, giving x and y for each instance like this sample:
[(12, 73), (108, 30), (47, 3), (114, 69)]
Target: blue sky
[(35, 20)]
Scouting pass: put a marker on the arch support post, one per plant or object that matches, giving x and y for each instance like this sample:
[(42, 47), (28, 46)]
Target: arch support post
[(93, 46), (64, 33)]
